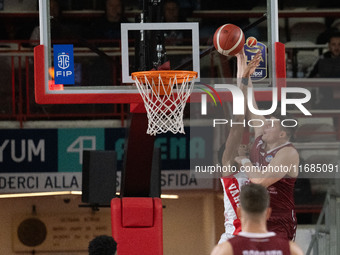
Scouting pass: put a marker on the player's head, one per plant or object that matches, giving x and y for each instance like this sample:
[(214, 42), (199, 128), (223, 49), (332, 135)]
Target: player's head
[(254, 200), (171, 11), (55, 8), (114, 10), (334, 44), (102, 245), (276, 130)]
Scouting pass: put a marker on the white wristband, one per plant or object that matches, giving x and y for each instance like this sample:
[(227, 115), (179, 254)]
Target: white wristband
[(244, 161)]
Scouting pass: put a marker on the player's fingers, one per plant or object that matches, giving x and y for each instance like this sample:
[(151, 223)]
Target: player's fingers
[(257, 57), (255, 60)]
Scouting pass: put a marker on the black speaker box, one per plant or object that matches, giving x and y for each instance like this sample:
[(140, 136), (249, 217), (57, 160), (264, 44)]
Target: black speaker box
[(99, 177)]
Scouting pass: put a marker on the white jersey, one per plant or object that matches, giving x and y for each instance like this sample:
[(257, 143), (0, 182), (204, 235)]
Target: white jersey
[(231, 190)]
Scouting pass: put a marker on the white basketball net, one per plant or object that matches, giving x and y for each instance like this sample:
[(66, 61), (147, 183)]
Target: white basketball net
[(165, 112)]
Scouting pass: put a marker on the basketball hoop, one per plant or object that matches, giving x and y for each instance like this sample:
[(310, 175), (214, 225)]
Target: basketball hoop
[(165, 94)]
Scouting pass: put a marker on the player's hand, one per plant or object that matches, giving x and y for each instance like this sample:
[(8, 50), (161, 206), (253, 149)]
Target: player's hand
[(243, 150), (252, 65), (238, 159), (241, 55)]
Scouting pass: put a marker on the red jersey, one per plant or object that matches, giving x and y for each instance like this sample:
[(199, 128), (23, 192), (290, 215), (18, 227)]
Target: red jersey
[(283, 219), (259, 243), (231, 188)]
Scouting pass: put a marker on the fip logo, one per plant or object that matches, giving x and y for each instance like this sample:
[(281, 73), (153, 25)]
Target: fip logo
[(64, 64), (63, 60)]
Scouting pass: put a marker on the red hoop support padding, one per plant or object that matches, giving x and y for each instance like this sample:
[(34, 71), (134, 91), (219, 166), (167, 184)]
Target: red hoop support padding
[(137, 225)]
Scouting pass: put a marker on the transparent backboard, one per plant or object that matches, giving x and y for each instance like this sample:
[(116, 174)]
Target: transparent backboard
[(103, 67)]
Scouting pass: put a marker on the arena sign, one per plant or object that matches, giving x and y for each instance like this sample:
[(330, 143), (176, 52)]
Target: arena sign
[(49, 160)]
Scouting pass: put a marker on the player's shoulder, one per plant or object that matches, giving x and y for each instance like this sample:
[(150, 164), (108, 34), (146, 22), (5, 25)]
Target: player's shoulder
[(288, 152), (224, 248), (288, 156)]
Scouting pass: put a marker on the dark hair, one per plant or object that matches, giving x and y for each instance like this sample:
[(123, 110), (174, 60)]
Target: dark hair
[(122, 4), (60, 7), (102, 245), (290, 131), (171, 1), (254, 198), (333, 35)]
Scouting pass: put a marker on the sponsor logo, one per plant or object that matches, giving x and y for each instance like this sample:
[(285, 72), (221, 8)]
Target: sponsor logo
[(63, 64), (63, 60), (269, 158)]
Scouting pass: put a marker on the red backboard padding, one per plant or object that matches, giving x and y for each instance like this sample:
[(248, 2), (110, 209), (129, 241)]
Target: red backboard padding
[(137, 212), (280, 56), (137, 240), (43, 95)]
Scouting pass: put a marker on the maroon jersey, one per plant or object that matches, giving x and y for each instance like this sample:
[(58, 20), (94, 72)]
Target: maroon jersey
[(259, 243), (283, 219)]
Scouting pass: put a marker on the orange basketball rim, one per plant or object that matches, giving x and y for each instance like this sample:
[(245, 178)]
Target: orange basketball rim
[(165, 94)]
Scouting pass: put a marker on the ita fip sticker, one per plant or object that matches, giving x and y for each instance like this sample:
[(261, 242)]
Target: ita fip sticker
[(63, 64)]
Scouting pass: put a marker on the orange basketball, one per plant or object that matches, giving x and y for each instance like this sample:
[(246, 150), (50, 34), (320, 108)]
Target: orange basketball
[(229, 39)]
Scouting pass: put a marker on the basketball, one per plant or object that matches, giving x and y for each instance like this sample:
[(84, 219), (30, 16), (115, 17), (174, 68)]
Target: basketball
[(251, 42), (229, 39)]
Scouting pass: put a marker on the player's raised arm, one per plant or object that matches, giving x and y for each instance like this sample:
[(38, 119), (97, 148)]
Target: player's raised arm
[(245, 82), (284, 163), (232, 144), (235, 134), (273, 156), (234, 139)]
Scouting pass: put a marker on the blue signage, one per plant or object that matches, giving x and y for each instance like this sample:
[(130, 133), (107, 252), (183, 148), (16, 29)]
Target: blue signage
[(28, 150), (72, 142), (61, 150), (261, 71), (63, 64), (174, 149)]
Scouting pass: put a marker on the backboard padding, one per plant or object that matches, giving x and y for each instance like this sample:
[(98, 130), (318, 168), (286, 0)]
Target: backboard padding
[(126, 95)]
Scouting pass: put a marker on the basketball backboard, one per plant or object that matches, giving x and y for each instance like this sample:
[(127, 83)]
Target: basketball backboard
[(102, 69)]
